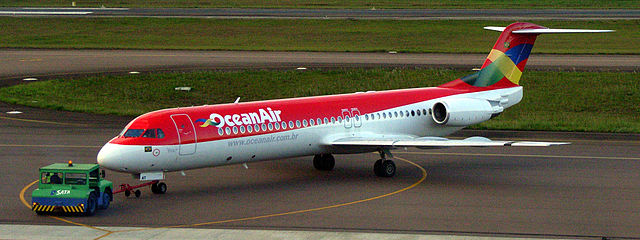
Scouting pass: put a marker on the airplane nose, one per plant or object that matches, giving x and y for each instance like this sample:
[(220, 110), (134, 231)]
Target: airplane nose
[(109, 157)]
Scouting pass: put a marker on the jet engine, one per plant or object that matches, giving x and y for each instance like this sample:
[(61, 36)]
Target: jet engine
[(463, 111)]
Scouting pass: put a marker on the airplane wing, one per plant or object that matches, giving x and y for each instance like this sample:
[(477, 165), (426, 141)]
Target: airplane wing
[(436, 142)]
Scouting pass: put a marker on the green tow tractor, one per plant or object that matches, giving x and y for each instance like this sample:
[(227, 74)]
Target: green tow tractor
[(71, 188)]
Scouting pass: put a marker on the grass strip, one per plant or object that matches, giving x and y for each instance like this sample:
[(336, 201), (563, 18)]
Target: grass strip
[(445, 36), (557, 101), (470, 4)]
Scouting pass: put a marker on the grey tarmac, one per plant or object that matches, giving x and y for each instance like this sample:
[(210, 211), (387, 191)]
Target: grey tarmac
[(589, 189)]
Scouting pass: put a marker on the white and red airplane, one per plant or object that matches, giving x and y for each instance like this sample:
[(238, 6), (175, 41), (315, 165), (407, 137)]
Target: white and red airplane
[(207, 136)]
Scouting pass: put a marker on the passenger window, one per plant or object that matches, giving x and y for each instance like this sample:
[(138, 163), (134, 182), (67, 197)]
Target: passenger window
[(384, 115), (264, 127), (277, 126), (413, 113), (339, 119), (235, 130), (312, 122), (241, 129), (257, 127), (326, 120), (297, 123), (304, 122), (395, 114), (249, 128), (290, 124), (270, 126), (319, 121), (333, 120), (227, 130), (284, 125), (220, 131), (418, 112), (401, 114)]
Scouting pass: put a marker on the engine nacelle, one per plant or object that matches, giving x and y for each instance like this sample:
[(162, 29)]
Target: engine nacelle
[(462, 111)]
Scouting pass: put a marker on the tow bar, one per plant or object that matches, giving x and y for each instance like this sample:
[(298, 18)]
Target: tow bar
[(127, 189)]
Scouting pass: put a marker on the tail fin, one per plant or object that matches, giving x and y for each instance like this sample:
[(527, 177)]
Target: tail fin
[(505, 63)]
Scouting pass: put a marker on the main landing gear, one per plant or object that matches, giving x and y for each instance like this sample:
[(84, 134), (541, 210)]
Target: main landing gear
[(384, 167), (157, 187), (324, 162)]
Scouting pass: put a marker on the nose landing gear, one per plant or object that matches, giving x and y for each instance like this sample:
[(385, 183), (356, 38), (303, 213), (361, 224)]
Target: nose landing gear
[(157, 187)]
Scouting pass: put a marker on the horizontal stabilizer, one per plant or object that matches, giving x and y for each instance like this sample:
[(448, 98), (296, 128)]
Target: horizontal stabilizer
[(549, 30)]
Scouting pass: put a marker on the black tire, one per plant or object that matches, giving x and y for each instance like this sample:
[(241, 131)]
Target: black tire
[(127, 193), (137, 193), (161, 188), (107, 197), (154, 188), (388, 168), (92, 204), (377, 168), (324, 162)]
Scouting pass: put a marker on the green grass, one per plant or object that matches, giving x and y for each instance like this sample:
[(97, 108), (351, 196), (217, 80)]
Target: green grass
[(471, 4), (566, 101), (303, 35)]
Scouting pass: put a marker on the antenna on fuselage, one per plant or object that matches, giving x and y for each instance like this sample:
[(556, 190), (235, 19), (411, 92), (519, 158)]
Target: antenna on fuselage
[(237, 100)]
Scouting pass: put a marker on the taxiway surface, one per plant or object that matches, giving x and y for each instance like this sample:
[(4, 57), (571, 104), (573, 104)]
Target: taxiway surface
[(588, 189), (16, 64), (406, 14)]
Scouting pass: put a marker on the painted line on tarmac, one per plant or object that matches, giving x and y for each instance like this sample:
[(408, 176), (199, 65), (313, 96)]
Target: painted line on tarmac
[(109, 232), (518, 155), (45, 122), (424, 176)]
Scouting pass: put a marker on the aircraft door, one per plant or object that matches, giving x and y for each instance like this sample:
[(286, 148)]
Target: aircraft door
[(346, 115), (186, 134)]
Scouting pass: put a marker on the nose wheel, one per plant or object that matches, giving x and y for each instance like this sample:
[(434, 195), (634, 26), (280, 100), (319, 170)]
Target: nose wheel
[(159, 188)]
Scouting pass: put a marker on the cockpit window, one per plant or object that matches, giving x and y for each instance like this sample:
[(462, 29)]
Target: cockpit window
[(133, 133), (151, 133), (160, 133)]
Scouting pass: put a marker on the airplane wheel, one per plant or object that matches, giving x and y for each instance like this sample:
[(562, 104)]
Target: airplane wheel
[(137, 193), (161, 188), (377, 168), (388, 169), (324, 162)]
